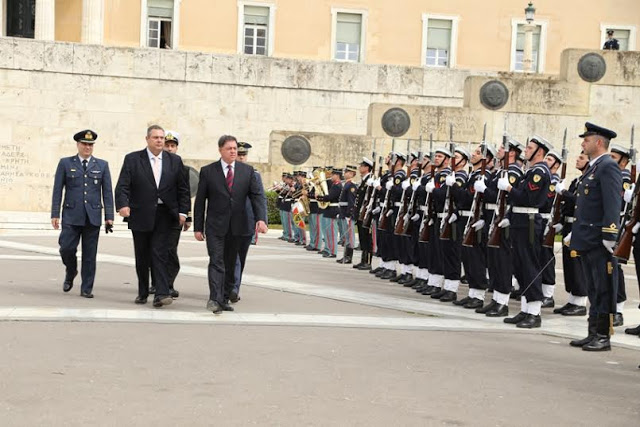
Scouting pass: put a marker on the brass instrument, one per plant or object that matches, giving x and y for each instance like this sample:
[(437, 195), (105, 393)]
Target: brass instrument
[(304, 204), (319, 182)]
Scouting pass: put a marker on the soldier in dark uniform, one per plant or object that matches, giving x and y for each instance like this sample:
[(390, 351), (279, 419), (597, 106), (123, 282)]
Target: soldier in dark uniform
[(364, 236), (594, 234), (611, 43), (385, 245), (408, 255), (331, 213), (422, 272), (547, 255), (87, 189), (394, 241), (574, 281), (280, 188), (378, 236), (527, 198), (315, 239), (347, 212)]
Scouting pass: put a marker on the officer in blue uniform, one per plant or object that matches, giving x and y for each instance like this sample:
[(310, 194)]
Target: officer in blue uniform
[(347, 212), (364, 236), (330, 214), (594, 234), (87, 189)]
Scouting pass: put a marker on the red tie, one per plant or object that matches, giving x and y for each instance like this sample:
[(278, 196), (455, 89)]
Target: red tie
[(230, 177)]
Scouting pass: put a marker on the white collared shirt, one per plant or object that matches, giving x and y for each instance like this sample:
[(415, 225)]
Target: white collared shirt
[(591, 162), (225, 167), (88, 159)]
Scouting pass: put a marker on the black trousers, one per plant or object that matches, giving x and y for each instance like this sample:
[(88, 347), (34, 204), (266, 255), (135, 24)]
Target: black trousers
[(436, 261), (68, 241), (223, 252), (475, 265), (173, 262), (574, 281), (452, 253), (622, 290), (549, 273), (500, 264), (364, 236), (152, 253), (600, 270), (243, 250), (526, 262)]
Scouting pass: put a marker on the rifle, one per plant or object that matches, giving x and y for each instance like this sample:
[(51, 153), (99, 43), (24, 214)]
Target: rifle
[(411, 210), (369, 190), (428, 204), (386, 205), (445, 226), (555, 214), (368, 217), (622, 250), (404, 199), (495, 232), (470, 235)]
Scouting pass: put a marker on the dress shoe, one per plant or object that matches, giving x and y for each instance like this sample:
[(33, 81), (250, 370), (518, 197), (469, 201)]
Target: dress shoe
[(375, 270), (381, 272), (397, 278), (388, 274), (448, 296), (474, 303), (487, 307), (499, 310), (633, 331), (548, 302), (356, 266), (162, 301), (575, 310), (234, 297), (174, 293), (592, 330), (227, 307), (365, 267), (310, 248), (516, 319), (214, 307), (430, 290), (598, 343), (68, 281), (407, 281), (462, 301), (299, 243), (530, 321), (141, 300), (86, 294), (328, 255), (438, 294), (559, 310), (618, 320), (152, 290), (412, 283), (291, 240)]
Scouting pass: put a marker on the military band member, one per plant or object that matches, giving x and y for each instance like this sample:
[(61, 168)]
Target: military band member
[(527, 198), (331, 214), (300, 234), (364, 236), (594, 234), (282, 190), (315, 239), (86, 181), (325, 222), (611, 43), (286, 207), (574, 281), (547, 255), (347, 212)]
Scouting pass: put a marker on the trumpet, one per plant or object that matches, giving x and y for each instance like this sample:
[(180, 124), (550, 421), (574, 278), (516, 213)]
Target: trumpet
[(276, 185)]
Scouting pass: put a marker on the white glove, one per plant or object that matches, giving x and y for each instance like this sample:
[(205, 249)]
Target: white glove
[(567, 239), (376, 183), (628, 194), (560, 187), (609, 244), (406, 184), (430, 186), (376, 211), (370, 182), (557, 228), (479, 186), (635, 228), (453, 218), (504, 223), (451, 180), (388, 185), (417, 217), (503, 184), (478, 225), (415, 185), (389, 213)]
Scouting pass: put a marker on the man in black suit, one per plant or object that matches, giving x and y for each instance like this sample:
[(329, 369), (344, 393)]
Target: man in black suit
[(223, 190), (152, 194)]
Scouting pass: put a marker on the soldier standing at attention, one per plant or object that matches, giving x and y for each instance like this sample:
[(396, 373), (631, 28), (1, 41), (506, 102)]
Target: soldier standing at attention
[(547, 255), (366, 176), (594, 234), (611, 43), (87, 188), (331, 214), (347, 212)]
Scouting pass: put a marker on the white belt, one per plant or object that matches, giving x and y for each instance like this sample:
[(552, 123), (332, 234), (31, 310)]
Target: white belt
[(466, 213), (343, 204), (546, 216), (381, 204), (288, 200), (523, 210), (334, 204), (397, 204), (442, 215), (490, 206), (424, 208), (569, 219)]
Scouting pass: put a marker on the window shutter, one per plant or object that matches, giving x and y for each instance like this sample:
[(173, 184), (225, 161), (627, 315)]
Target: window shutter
[(160, 8), (348, 28), (256, 15), (439, 34)]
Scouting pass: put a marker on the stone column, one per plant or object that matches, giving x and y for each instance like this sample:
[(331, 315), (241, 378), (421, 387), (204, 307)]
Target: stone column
[(92, 21), (45, 20), (527, 60)]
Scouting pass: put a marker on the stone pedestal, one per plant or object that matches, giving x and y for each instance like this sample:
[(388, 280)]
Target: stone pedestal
[(45, 20), (92, 21)]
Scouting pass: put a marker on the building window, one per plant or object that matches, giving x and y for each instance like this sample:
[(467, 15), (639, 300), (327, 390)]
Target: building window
[(347, 35), (256, 30), (625, 34), (520, 48), (20, 18), (160, 23), (538, 46), (439, 40)]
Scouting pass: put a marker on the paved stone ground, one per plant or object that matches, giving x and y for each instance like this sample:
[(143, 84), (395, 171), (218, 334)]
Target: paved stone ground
[(311, 343)]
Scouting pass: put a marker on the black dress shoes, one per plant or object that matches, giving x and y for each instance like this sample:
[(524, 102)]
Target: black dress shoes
[(448, 296), (559, 310), (162, 301), (214, 307), (575, 310), (618, 320), (462, 301), (364, 267), (474, 303), (633, 331), (487, 307), (141, 300), (227, 307), (397, 278), (516, 319), (152, 290), (530, 321), (174, 293), (375, 270), (68, 281), (380, 272), (388, 275), (548, 302), (86, 294), (328, 255), (582, 342), (499, 310), (234, 297), (430, 290), (599, 343), (438, 294)]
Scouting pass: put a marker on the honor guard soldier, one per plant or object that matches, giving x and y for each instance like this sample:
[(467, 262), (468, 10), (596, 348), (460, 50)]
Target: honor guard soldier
[(622, 155), (594, 234), (527, 198), (364, 236), (422, 273), (547, 255), (393, 207), (611, 43), (408, 256), (347, 212), (86, 181), (378, 236), (331, 213), (574, 281)]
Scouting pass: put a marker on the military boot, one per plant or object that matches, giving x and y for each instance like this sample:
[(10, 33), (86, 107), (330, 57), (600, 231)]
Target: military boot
[(591, 328), (602, 340)]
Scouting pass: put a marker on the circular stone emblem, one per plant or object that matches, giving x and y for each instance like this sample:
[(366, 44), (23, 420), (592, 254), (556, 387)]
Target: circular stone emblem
[(395, 122), (194, 178), (494, 95), (591, 67), (296, 149)]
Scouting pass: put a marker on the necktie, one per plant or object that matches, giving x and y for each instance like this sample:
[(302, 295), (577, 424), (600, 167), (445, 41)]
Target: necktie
[(156, 170), (84, 165), (230, 177)]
